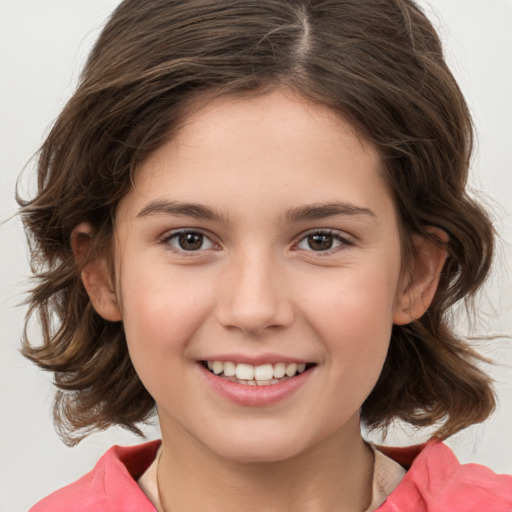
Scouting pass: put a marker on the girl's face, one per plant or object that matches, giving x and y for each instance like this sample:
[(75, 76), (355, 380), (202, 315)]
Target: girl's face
[(261, 239)]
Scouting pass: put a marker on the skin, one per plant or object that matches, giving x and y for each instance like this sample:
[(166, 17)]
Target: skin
[(256, 286)]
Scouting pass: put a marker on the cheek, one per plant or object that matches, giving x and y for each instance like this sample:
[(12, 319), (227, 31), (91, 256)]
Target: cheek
[(353, 316), (356, 333), (157, 300), (161, 314), (356, 300)]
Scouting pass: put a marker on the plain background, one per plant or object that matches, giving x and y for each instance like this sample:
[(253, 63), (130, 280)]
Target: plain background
[(43, 45)]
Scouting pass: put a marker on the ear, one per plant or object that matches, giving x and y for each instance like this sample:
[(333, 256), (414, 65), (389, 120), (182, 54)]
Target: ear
[(95, 274), (420, 285)]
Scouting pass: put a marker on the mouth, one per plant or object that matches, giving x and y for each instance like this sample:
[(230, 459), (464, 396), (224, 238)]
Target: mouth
[(262, 375)]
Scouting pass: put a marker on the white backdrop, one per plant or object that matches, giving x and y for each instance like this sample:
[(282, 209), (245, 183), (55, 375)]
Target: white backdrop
[(43, 45)]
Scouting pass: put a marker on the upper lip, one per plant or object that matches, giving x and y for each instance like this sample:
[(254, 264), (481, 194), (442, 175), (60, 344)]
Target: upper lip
[(256, 359)]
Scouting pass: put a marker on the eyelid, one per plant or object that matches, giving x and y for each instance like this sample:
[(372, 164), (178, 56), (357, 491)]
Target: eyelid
[(346, 240), (174, 233)]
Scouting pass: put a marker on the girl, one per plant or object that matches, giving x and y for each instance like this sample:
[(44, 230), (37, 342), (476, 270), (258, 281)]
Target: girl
[(252, 216)]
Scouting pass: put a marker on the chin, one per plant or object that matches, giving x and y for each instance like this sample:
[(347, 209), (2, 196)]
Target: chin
[(261, 449)]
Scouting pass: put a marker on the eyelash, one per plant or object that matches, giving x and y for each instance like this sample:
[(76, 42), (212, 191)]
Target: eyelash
[(344, 243), (174, 235)]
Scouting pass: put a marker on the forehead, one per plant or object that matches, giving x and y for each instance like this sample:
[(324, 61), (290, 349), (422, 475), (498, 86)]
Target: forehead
[(275, 149)]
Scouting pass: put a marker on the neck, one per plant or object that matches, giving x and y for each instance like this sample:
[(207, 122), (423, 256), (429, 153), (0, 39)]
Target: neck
[(335, 474)]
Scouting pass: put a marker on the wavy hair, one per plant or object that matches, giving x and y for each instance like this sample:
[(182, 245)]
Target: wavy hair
[(376, 63)]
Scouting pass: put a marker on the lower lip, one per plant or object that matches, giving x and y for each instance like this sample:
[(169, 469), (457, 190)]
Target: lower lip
[(255, 396)]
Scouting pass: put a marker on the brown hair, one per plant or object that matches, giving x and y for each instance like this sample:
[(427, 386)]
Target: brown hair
[(377, 63)]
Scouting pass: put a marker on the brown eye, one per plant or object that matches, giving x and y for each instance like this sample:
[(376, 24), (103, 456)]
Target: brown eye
[(189, 241), (323, 241), (320, 242)]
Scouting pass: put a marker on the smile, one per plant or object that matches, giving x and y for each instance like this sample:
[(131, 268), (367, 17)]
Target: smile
[(263, 375)]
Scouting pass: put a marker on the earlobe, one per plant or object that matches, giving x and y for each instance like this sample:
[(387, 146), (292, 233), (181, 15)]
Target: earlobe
[(95, 274), (420, 285)]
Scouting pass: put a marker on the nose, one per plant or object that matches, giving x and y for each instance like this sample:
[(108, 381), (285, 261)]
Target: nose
[(254, 296)]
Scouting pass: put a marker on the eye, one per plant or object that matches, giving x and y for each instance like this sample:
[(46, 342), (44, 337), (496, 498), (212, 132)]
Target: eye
[(187, 240), (322, 241)]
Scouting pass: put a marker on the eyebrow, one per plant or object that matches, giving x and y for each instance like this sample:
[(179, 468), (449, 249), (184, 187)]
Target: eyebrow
[(194, 210), (310, 212), (324, 210)]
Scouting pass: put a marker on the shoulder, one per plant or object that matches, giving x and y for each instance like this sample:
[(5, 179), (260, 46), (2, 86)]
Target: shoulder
[(110, 487), (437, 482)]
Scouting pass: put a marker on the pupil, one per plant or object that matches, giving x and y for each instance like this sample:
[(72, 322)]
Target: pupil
[(320, 242), (191, 241)]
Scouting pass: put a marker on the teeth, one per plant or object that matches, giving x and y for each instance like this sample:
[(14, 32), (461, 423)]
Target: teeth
[(229, 369), (218, 367), (264, 372), (263, 375), (291, 369), (244, 371), (279, 370)]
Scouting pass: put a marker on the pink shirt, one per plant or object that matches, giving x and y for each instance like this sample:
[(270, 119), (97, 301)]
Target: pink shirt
[(435, 482)]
